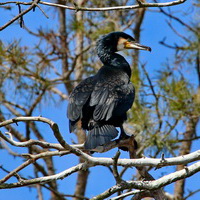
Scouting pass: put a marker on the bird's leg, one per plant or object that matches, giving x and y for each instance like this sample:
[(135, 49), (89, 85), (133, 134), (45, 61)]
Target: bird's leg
[(91, 124), (123, 136)]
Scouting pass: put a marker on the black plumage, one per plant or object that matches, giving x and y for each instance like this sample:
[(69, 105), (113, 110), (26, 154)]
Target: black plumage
[(101, 101)]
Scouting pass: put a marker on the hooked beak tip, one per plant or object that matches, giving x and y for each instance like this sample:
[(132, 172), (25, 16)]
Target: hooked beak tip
[(149, 49)]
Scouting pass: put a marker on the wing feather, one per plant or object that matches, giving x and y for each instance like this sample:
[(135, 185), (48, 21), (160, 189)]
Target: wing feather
[(109, 94), (79, 97)]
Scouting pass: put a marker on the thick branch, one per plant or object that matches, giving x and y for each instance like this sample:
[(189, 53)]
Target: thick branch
[(31, 159), (30, 142), (141, 5), (35, 3), (45, 179), (79, 8), (152, 185), (154, 162), (55, 130), (148, 185)]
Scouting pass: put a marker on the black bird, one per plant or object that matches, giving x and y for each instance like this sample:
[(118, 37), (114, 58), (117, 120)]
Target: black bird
[(101, 101)]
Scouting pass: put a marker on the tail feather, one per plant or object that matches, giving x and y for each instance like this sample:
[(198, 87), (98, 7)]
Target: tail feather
[(100, 135)]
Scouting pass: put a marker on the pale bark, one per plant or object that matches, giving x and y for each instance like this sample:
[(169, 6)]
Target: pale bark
[(185, 148)]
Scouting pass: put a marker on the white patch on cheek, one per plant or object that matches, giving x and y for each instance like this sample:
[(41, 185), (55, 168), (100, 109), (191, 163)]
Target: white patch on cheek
[(121, 44), (120, 47)]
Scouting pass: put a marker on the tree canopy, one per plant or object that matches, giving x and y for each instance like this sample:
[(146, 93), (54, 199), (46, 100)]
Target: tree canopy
[(47, 48)]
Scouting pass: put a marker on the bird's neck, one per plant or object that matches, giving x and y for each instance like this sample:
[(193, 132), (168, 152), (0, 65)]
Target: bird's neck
[(116, 61)]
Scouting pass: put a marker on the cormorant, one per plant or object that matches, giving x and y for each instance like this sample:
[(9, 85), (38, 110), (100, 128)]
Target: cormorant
[(101, 101)]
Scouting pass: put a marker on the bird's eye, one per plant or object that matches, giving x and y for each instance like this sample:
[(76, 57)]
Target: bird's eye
[(129, 40)]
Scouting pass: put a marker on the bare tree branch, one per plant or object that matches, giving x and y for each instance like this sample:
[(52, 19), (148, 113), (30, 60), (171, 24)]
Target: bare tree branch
[(33, 4), (127, 194), (45, 179), (76, 8), (155, 162), (152, 185), (79, 8), (148, 184)]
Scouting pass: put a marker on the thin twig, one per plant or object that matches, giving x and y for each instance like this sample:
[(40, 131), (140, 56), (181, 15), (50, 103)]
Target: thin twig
[(35, 3), (155, 95), (20, 14)]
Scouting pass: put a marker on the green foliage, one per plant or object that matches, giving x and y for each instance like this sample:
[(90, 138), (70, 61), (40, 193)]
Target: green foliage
[(179, 94), (102, 30), (23, 76), (76, 25), (13, 54)]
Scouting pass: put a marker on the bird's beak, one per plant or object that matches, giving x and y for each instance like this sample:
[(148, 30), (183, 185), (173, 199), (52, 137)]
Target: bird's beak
[(134, 45)]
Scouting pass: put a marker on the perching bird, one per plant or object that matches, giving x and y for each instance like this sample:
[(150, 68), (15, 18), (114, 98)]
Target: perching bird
[(101, 101)]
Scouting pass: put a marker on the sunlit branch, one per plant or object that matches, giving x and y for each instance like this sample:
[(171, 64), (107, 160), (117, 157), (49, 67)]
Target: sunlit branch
[(149, 185), (155, 162), (31, 159), (64, 148), (127, 194), (45, 179), (10, 151), (55, 130), (77, 8), (32, 5), (152, 185), (30, 142)]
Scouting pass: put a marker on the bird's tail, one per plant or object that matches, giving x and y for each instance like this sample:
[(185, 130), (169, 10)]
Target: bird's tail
[(100, 135)]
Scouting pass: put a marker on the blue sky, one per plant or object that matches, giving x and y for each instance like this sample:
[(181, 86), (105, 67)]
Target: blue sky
[(153, 31)]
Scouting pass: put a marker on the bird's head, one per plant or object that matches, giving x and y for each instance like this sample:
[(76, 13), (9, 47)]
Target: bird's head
[(117, 41), (125, 41)]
